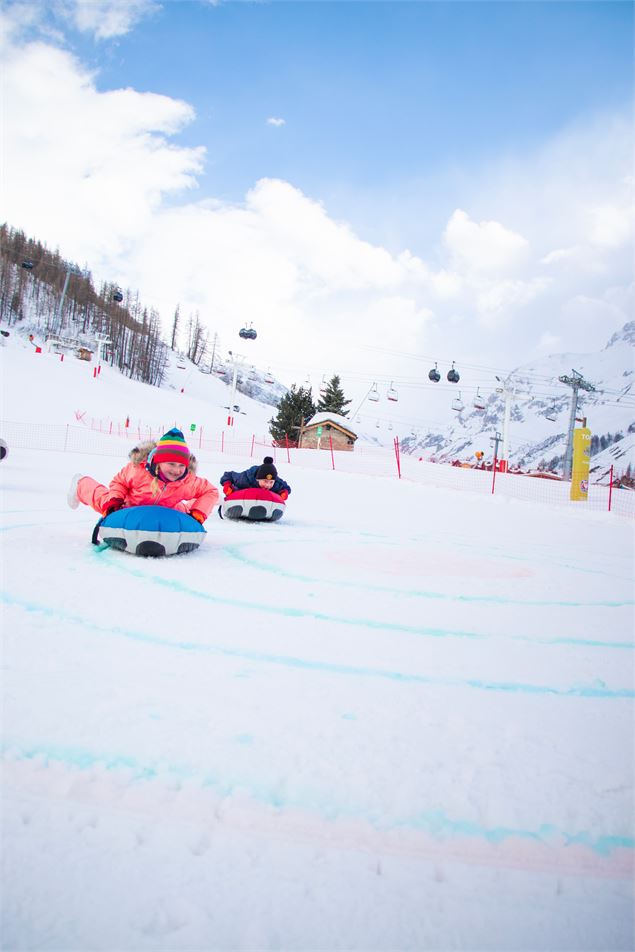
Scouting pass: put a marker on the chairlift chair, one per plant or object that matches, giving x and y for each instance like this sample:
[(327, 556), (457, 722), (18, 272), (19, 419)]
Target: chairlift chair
[(434, 374), (268, 378), (377, 424), (390, 426), (551, 414), (392, 393), (373, 396), (479, 402), (457, 403), (252, 374), (453, 375)]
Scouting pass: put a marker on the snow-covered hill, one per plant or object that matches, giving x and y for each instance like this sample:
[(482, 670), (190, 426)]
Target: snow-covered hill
[(539, 421)]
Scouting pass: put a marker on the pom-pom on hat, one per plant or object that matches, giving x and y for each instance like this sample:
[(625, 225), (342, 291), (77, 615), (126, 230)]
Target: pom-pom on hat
[(171, 448), (267, 470)]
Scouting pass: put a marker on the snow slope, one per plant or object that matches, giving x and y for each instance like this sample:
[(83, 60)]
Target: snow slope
[(401, 718)]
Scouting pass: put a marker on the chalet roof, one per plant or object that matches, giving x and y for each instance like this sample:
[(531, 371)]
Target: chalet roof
[(335, 419)]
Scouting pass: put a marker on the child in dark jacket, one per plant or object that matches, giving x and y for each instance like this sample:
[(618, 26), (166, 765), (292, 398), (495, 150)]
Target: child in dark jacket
[(264, 476)]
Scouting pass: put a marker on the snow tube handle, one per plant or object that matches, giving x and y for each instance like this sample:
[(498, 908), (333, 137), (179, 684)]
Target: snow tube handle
[(95, 537)]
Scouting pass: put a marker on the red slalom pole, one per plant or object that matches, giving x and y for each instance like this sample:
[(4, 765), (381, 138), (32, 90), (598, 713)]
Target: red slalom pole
[(397, 455), (610, 487)]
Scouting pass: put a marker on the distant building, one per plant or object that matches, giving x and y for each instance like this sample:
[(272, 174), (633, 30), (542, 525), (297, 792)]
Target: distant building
[(325, 430), (84, 353)]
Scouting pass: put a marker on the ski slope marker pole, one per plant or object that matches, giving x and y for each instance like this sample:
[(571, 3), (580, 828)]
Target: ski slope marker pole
[(397, 457), (331, 446), (610, 487)]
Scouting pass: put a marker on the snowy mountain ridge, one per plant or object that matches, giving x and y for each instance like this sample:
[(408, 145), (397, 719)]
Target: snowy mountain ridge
[(539, 421)]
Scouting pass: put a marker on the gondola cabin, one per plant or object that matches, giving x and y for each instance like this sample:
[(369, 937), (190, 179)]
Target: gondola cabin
[(453, 376)]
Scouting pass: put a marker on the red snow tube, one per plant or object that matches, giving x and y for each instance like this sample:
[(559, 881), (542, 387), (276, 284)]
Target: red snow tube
[(257, 505)]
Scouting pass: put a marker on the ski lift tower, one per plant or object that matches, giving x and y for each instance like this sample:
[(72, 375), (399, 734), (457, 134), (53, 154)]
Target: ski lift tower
[(101, 342), (237, 360), (576, 382), (508, 390)]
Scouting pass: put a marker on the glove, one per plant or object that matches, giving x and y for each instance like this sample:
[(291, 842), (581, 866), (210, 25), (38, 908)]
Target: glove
[(228, 489), (284, 494), (198, 515), (113, 506)]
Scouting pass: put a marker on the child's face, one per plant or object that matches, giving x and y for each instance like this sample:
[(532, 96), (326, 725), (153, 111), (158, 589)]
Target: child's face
[(266, 483), (172, 471)]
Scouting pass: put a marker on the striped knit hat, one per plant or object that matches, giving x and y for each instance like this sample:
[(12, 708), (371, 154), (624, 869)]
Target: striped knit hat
[(171, 448)]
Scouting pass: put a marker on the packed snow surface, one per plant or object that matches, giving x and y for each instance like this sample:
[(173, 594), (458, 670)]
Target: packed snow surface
[(401, 718)]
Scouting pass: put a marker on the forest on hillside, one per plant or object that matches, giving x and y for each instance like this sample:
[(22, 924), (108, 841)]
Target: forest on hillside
[(56, 298)]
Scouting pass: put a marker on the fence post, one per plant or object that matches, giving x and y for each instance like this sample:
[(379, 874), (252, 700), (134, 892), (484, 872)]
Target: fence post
[(222, 442), (397, 457), (253, 440), (610, 487), (66, 438), (494, 473), (286, 439), (200, 438), (331, 446)]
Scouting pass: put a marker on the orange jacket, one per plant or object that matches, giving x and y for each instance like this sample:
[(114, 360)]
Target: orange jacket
[(135, 486)]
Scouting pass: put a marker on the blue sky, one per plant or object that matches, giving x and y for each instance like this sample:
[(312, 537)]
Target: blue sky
[(448, 180), (373, 94)]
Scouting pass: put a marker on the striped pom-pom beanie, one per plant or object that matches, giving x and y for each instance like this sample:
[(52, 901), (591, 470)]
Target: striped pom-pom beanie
[(171, 448)]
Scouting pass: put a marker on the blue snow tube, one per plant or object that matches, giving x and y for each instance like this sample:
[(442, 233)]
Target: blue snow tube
[(149, 531)]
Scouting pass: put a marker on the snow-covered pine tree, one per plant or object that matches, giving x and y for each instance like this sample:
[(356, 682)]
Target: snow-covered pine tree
[(332, 399), (294, 409)]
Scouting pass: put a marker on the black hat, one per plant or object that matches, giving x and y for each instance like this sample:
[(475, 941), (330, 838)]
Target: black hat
[(267, 470)]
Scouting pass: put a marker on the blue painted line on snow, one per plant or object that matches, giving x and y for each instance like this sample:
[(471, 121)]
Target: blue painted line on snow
[(420, 631), (234, 551), (595, 690), (434, 822)]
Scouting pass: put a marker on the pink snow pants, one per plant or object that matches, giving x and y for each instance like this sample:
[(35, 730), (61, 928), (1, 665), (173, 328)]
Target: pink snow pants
[(91, 493)]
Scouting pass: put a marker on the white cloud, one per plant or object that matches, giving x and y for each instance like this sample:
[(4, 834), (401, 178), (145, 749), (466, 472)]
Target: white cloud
[(485, 246), (105, 19), (610, 225), (273, 121), (86, 169)]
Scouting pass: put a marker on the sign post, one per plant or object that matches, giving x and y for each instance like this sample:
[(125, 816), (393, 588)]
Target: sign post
[(579, 491)]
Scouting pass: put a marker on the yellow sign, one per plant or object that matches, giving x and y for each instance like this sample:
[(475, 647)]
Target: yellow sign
[(581, 461)]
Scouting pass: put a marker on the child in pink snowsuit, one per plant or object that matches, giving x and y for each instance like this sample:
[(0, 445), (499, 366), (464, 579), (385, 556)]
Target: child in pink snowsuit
[(160, 474)]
